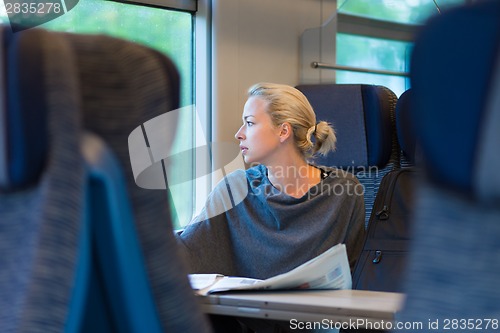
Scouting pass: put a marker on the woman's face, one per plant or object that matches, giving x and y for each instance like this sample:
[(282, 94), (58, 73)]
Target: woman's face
[(259, 138)]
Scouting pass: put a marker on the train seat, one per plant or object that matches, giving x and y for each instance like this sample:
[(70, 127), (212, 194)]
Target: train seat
[(44, 239), (94, 253), (123, 85), (405, 131), (363, 118), (455, 74)]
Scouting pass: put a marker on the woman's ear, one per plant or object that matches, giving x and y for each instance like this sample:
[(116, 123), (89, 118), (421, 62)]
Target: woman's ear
[(286, 131)]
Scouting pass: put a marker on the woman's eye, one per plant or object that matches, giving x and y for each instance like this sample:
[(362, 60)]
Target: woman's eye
[(249, 123)]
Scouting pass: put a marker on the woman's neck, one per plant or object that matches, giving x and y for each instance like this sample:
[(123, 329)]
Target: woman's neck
[(293, 176)]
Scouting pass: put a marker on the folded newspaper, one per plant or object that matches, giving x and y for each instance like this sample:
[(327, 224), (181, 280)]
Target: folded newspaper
[(329, 270)]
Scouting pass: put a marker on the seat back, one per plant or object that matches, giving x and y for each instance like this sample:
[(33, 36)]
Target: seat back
[(382, 264), (122, 272), (123, 85), (363, 118), (453, 271), (42, 229), (405, 131)]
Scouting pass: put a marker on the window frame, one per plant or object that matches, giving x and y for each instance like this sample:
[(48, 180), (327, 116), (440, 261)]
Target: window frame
[(190, 6), (368, 27)]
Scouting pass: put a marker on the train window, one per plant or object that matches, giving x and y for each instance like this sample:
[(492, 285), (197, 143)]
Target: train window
[(378, 36), (169, 31), (165, 30), (373, 53), (401, 11)]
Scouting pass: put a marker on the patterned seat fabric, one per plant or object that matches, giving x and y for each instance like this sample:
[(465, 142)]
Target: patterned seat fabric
[(84, 249), (453, 270), (364, 121), (42, 183), (124, 85)]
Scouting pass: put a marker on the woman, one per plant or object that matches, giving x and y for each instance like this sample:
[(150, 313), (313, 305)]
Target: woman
[(284, 210)]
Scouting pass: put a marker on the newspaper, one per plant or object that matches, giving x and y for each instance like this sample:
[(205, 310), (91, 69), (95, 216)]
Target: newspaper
[(329, 270)]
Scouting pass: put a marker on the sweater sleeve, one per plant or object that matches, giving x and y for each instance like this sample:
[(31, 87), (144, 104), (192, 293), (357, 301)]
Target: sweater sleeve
[(208, 246), (206, 240), (228, 193)]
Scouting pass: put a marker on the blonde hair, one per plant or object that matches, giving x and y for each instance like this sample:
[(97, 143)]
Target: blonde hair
[(287, 104)]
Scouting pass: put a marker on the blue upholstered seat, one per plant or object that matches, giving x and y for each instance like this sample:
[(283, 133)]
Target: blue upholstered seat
[(405, 131), (363, 118), (43, 235), (84, 250), (123, 85), (455, 74)]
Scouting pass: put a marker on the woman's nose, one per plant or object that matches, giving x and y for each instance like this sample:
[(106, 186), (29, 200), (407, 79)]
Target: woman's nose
[(239, 135)]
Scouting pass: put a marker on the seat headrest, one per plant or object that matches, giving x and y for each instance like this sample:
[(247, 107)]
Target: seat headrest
[(404, 126), (361, 117), (452, 71), (23, 113)]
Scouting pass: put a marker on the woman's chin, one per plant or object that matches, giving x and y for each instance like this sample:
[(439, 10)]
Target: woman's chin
[(250, 161)]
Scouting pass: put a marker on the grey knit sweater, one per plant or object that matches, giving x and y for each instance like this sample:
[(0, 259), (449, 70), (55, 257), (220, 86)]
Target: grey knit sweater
[(249, 228)]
